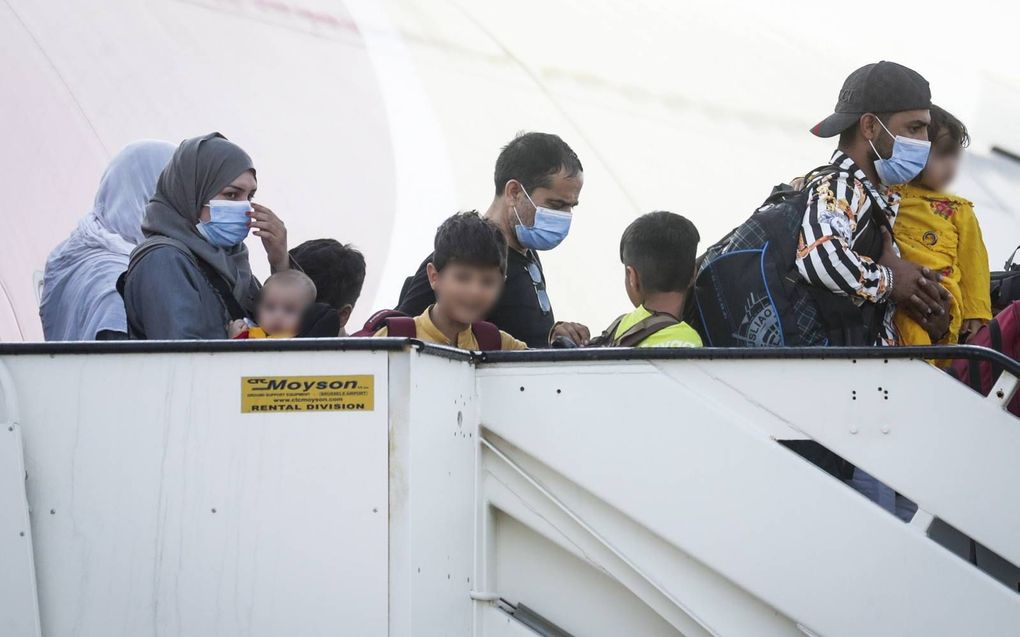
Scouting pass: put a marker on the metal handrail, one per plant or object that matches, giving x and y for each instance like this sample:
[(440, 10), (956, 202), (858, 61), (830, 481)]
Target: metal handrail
[(965, 352)]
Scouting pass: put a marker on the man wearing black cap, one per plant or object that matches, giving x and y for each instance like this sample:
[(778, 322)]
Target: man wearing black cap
[(882, 120), (846, 245)]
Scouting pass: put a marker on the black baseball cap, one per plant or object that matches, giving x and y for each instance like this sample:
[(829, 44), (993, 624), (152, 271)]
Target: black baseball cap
[(882, 87)]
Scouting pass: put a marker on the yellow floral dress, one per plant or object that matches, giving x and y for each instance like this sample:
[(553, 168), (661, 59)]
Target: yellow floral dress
[(940, 231)]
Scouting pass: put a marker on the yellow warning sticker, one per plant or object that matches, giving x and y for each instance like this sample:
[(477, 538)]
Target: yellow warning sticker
[(265, 394)]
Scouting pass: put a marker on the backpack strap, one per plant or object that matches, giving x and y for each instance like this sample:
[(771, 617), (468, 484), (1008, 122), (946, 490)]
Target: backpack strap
[(605, 339), (488, 336), (974, 373), (995, 333), (1009, 262), (121, 283), (223, 290), (645, 328), (401, 327)]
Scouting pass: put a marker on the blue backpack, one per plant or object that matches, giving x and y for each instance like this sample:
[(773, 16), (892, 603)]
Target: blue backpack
[(748, 292)]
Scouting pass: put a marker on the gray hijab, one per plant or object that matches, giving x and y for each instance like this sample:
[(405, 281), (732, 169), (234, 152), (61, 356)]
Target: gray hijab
[(200, 168)]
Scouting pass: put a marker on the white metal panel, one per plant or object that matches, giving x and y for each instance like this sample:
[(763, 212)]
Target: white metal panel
[(544, 563), (708, 484), (906, 423), (694, 599), (160, 509), (433, 442), (19, 605)]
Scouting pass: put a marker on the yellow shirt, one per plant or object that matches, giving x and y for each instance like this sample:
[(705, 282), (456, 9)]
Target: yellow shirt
[(427, 331), (679, 335), (941, 232), (257, 332)]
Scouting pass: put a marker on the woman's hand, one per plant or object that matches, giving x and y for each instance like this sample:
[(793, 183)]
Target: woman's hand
[(268, 227)]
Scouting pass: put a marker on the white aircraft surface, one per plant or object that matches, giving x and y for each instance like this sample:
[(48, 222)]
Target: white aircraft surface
[(370, 122), (181, 488)]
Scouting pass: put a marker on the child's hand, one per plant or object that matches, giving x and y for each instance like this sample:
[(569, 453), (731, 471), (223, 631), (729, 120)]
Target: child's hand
[(234, 328), (969, 328)]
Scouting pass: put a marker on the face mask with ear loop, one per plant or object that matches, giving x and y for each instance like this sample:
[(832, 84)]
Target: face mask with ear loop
[(548, 231), (228, 223), (909, 157)]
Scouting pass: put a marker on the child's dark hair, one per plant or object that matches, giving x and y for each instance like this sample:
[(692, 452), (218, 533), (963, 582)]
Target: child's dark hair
[(662, 247), (338, 270), (943, 123), (467, 237)]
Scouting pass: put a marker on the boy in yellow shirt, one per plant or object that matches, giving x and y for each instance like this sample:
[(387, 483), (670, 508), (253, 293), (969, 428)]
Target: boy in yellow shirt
[(940, 231), (658, 251), (467, 273)]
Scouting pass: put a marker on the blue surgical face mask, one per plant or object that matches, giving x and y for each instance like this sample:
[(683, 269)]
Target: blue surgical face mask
[(908, 159), (228, 223), (548, 231)]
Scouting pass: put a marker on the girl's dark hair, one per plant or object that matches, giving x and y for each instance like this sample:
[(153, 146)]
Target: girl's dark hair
[(943, 122), (467, 237)]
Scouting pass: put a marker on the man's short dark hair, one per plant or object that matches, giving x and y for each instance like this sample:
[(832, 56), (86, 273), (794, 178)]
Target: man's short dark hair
[(337, 270), (662, 247), (944, 123), (533, 159), (468, 238)]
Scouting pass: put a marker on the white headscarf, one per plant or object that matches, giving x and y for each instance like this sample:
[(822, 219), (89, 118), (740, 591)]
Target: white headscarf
[(79, 297)]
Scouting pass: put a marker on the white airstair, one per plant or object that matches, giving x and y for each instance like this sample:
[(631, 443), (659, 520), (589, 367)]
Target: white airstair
[(385, 487)]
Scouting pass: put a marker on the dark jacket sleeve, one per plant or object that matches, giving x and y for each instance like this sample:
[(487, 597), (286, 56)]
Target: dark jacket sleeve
[(167, 298), (417, 294)]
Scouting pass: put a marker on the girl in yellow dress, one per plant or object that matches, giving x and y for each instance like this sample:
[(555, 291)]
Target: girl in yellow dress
[(939, 230)]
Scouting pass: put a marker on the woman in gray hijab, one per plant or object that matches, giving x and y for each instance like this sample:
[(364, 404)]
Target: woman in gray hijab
[(191, 276)]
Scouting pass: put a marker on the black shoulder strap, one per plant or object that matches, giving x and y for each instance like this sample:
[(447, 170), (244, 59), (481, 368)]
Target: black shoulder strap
[(974, 373), (605, 339), (995, 332), (1009, 262), (223, 290)]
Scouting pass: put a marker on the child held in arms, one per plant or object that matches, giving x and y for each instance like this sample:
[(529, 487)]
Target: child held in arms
[(285, 299), (940, 231)]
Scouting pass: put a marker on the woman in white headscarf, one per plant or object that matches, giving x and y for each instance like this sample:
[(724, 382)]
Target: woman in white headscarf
[(80, 301)]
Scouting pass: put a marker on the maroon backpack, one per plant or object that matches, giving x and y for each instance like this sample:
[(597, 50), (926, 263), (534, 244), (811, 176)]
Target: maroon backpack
[(401, 325), (1003, 335)]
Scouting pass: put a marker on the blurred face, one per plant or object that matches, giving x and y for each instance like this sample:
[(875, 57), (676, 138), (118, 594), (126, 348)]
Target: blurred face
[(241, 189), (942, 165), (912, 124), (280, 308), (467, 292), (561, 195)]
